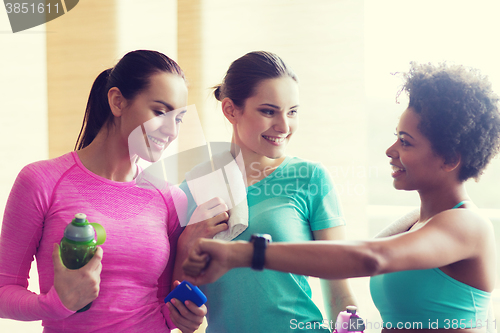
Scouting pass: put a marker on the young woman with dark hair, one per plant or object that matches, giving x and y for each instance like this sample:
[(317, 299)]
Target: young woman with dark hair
[(288, 197), (439, 274), (144, 93)]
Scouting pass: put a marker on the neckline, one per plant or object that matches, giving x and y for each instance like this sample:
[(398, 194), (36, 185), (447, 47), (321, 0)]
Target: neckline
[(100, 178), (454, 207), (460, 203), (272, 174)]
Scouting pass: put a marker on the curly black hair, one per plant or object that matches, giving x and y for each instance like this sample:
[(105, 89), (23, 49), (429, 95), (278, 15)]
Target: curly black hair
[(459, 113)]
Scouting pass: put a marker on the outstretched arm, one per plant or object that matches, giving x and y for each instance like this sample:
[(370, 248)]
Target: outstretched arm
[(447, 238)]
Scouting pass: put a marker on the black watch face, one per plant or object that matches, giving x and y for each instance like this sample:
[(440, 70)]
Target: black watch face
[(261, 241)]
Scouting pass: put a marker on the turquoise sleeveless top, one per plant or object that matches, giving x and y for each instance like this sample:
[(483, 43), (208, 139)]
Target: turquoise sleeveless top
[(428, 298)]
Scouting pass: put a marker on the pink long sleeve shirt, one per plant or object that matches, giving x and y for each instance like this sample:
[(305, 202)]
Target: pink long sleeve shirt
[(142, 229)]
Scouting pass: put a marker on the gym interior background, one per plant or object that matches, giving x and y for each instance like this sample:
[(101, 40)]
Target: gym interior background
[(343, 52)]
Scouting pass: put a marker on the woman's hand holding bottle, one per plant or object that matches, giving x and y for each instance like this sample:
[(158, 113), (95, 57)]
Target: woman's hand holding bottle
[(77, 287)]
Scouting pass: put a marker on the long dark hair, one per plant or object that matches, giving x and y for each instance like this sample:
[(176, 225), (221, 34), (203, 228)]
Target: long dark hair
[(131, 75), (245, 73)]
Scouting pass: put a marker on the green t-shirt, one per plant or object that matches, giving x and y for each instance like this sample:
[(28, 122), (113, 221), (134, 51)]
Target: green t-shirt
[(297, 198)]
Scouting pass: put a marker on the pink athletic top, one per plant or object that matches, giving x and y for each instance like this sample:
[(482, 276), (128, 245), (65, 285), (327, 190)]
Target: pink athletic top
[(142, 229)]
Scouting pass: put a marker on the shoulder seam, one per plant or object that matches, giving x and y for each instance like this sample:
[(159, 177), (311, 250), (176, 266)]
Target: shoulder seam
[(58, 182)]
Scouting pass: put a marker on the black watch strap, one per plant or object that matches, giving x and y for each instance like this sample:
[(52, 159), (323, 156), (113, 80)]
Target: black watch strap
[(260, 242)]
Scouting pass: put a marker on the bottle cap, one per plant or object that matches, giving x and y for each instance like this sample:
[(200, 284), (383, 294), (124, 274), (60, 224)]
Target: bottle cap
[(79, 230), (351, 309), (80, 217)]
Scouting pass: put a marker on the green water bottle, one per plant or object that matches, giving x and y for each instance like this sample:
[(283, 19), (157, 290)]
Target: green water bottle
[(79, 243)]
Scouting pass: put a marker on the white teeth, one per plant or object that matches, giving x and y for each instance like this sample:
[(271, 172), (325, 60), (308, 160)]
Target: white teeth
[(396, 168), (274, 139), (158, 142)]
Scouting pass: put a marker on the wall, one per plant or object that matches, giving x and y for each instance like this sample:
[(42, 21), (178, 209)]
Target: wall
[(341, 50)]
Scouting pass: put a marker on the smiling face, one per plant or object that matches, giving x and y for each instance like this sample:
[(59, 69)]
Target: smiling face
[(268, 119), (415, 166), (152, 119)]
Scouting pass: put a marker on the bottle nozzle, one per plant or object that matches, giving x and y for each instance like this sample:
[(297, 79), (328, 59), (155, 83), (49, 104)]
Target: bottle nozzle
[(80, 217), (351, 309)]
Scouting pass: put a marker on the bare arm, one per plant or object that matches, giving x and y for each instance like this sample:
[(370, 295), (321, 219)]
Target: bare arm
[(207, 220), (337, 293), (449, 237)]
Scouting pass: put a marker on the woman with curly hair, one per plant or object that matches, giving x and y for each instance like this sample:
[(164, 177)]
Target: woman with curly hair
[(438, 274)]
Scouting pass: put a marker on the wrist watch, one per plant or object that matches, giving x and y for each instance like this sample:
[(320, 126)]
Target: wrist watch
[(260, 242)]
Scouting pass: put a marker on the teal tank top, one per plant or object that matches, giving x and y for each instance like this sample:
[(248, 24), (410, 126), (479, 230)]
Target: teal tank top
[(428, 298)]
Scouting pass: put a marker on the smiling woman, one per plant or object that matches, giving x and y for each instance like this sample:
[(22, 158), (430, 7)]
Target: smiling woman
[(266, 123), (158, 129), (440, 272), (145, 90), (415, 164), (260, 97)]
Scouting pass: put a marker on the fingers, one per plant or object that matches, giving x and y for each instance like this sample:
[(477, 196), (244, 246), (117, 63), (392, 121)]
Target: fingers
[(208, 227), (187, 317), (220, 218), (196, 261), (216, 224), (189, 310), (221, 207), (207, 261), (195, 256), (199, 311), (192, 268), (220, 227), (95, 264), (56, 258), (209, 209)]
